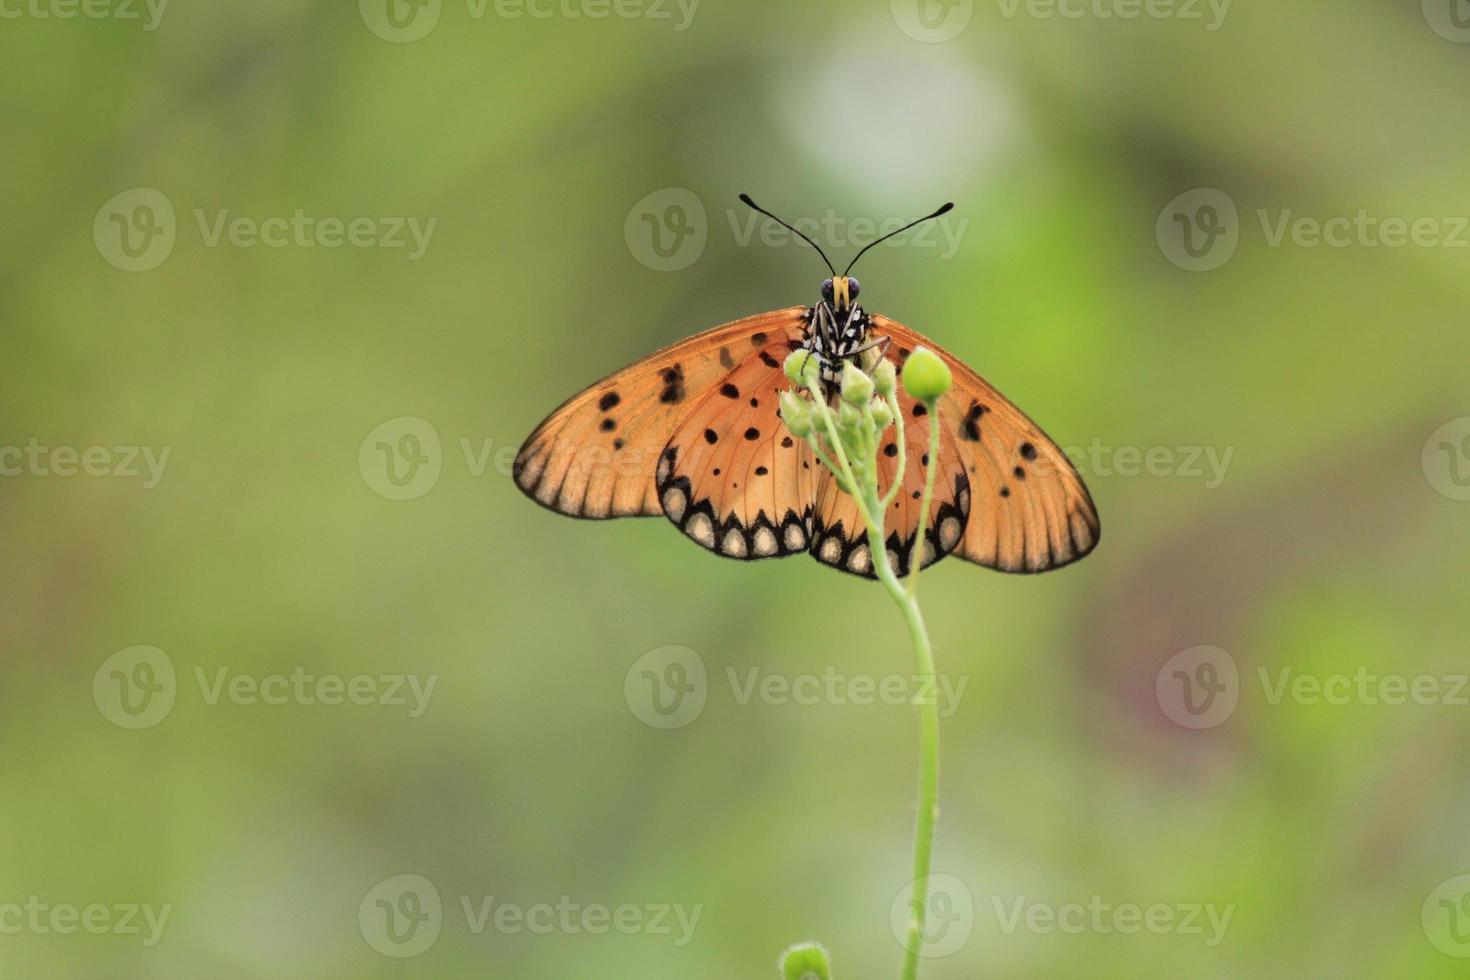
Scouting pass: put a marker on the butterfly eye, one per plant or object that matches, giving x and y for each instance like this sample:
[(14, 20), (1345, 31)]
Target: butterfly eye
[(827, 293), (853, 288)]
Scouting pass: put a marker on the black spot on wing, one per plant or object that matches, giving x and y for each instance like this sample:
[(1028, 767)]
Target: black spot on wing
[(673, 379)]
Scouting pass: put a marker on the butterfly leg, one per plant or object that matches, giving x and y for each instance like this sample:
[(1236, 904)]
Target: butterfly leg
[(882, 343)]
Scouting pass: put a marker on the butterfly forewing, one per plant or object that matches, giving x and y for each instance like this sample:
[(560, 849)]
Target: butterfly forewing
[(596, 456), (1030, 510)]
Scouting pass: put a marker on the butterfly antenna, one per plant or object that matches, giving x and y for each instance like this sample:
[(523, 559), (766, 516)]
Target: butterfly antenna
[(917, 221), (745, 199)]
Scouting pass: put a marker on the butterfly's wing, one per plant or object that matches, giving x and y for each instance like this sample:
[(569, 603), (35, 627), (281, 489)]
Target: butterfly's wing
[(1030, 511), (731, 477), (597, 456), (838, 535)]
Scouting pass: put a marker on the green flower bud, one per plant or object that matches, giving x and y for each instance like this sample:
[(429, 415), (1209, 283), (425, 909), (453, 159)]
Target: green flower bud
[(884, 377), (848, 417), (803, 367), (925, 375), (857, 387), (882, 417), (808, 961), (797, 414)]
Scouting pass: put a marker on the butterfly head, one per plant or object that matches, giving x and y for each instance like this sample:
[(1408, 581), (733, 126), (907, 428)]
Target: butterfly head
[(840, 292)]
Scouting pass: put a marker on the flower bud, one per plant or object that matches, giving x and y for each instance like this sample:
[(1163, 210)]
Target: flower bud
[(882, 417), (925, 375), (848, 418), (797, 414), (802, 367), (806, 962), (884, 377), (857, 387)]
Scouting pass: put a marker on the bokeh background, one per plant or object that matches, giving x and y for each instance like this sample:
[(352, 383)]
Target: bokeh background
[(1274, 427)]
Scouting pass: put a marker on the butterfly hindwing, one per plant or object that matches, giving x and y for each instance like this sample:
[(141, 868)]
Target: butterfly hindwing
[(839, 537), (732, 478), (1031, 511), (597, 455)]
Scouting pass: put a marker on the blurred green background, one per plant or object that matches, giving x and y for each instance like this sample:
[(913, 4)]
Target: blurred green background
[(1113, 265)]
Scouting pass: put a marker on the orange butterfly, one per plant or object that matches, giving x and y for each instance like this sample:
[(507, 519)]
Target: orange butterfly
[(692, 432)]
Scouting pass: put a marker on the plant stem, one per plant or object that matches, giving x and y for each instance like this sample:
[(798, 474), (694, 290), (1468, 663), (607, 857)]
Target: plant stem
[(927, 703), (872, 509)]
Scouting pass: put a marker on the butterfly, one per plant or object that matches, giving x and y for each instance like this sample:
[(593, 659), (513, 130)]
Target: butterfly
[(692, 433)]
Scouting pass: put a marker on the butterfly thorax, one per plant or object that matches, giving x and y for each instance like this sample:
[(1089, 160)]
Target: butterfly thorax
[(835, 336)]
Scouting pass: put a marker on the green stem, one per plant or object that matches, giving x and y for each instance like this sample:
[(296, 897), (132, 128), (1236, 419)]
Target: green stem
[(872, 509)]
